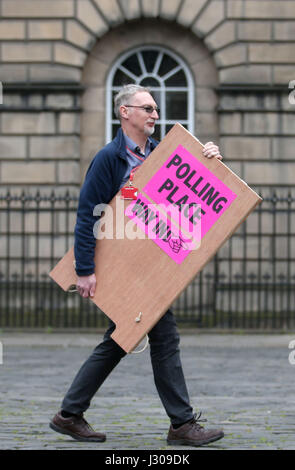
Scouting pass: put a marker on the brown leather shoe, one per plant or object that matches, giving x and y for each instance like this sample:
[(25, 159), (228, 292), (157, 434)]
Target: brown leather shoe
[(193, 434), (76, 427)]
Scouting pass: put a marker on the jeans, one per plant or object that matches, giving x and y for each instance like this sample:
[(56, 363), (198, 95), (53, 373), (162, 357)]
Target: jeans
[(166, 364)]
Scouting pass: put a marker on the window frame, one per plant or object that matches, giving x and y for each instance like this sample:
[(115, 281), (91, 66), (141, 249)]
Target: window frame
[(163, 122)]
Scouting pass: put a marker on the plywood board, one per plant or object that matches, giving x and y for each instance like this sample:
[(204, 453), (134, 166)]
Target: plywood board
[(142, 277)]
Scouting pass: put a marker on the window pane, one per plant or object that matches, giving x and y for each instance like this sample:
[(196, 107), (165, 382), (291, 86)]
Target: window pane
[(157, 134), (121, 79), (167, 64), (115, 128), (169, 126), (149, 81), (176, 105), (150, 58), (113, 96), (176, 80), (156, 94), (132, 64)]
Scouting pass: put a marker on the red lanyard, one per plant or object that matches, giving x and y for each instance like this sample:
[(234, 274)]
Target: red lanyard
[(134, 154), (132, 174), (130, 192)]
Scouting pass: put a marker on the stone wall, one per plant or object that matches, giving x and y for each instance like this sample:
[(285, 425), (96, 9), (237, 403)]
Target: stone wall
[(241, 53), (40, 144), (257, 129)]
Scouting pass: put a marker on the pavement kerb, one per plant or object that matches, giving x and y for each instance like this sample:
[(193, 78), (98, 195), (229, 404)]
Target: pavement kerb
[(188, 338)]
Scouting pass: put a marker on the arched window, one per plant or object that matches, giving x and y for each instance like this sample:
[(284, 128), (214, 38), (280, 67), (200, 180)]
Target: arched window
[(169, 80)]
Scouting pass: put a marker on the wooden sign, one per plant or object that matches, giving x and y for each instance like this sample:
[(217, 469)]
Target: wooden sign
[(186, 207)]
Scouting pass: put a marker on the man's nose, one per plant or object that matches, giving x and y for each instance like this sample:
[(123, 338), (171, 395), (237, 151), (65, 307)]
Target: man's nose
[(155, 114)]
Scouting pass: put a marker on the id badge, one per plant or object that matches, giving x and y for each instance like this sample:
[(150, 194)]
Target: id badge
[(129, 192)]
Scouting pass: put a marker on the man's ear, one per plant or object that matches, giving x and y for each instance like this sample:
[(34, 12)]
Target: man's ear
[(123, 110)]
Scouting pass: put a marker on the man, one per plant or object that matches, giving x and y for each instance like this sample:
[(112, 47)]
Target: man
[(108, 172)]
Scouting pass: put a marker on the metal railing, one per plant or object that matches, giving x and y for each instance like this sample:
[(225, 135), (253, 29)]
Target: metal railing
[(248, 285)]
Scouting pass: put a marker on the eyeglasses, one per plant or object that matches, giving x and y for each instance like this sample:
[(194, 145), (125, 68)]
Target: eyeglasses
[(148, 109)]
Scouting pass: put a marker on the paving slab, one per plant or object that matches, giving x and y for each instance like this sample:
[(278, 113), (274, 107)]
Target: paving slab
[(242, 383)]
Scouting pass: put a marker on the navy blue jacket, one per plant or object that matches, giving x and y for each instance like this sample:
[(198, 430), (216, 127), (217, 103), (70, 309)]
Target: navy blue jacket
[(102, 182)]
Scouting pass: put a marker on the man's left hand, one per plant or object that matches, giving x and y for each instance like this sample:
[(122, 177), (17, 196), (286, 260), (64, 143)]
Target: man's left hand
[(211, 150)]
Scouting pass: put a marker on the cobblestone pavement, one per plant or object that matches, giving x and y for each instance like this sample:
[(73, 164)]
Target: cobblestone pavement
[(243, 383)]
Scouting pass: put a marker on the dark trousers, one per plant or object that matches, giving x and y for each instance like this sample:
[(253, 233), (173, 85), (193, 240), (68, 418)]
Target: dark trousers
[(167, 369)]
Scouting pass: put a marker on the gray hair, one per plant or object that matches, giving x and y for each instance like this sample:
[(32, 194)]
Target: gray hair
[(124, 96)]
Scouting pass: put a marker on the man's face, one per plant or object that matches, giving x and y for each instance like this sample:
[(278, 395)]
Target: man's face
[(138, 118)]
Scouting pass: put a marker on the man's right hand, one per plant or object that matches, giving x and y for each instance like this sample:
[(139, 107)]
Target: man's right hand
[(86, 285)]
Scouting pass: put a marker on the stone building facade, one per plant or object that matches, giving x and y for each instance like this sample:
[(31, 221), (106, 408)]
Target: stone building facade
[(232, 79), (56, 56)]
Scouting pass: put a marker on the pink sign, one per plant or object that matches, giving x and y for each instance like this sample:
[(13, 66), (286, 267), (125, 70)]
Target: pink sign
[(186, 199), (188, 185), (158, 227)]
